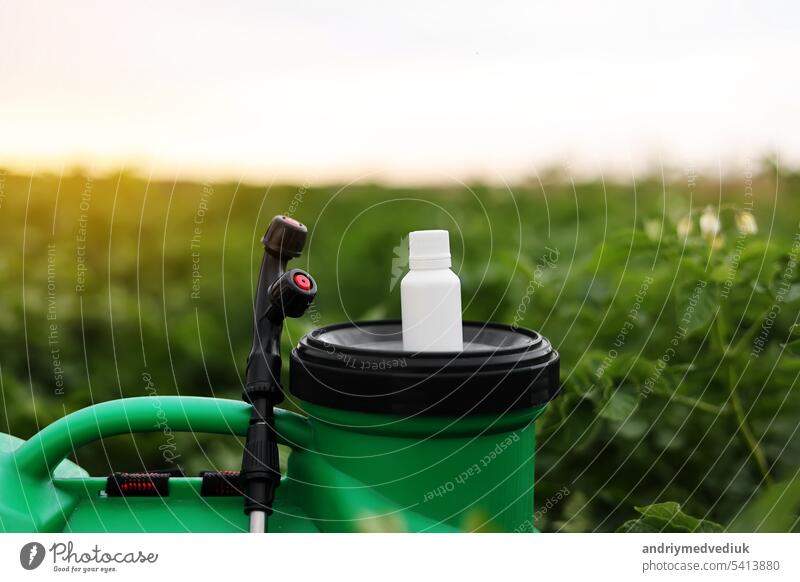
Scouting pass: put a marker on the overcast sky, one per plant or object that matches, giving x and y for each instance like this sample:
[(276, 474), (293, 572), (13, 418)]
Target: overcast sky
[(416, 91)]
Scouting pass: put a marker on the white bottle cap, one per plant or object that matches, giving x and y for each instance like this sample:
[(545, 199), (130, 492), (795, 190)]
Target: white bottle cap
[(429, 249)]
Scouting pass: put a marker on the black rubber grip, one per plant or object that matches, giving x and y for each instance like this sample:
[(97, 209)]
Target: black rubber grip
[(260, 468), (220, 484)]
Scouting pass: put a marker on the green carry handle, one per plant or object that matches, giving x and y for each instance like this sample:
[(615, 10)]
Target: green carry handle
[(40, 455), (30, 499)]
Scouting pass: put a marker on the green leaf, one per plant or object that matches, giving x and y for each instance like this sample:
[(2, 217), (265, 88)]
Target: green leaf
[(722, 272), (775, 510), (793, 346), (695, 306), (620, 404), (667, 517), (633, 427), (637, 526)]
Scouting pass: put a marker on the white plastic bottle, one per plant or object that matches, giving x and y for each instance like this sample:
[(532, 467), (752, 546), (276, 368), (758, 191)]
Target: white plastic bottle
[(430, 295)]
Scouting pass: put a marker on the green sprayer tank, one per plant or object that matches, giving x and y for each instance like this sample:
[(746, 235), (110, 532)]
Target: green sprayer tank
[(389, 440)]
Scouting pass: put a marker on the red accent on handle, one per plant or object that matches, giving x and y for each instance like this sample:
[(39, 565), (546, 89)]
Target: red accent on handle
[(302, 281)]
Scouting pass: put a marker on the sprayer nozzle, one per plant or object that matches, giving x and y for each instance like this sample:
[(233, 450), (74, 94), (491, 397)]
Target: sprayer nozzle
[(291, 295), (285, 237)]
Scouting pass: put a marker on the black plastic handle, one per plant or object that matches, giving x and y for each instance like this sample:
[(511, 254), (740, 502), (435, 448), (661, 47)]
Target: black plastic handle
[(278, 295)]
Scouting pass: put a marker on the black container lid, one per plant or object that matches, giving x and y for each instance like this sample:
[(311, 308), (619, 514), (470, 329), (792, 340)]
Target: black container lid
[(362, 367)]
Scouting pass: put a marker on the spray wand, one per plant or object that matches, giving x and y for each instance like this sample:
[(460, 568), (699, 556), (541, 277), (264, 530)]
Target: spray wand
[(279, 294)]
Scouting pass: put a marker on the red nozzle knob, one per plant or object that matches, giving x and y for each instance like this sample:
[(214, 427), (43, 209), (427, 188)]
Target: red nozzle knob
[(290, 295), (302, 281)]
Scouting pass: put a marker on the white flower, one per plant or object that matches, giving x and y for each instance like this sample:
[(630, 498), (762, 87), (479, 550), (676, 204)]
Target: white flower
[(709, 223), (684, 226), (746, 222), (652, 228)]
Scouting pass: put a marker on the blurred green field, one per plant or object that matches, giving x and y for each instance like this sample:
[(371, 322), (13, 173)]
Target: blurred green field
[(116, 286)]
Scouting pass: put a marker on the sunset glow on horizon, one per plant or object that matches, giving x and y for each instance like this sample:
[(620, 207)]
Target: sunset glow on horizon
[(416, 93)]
